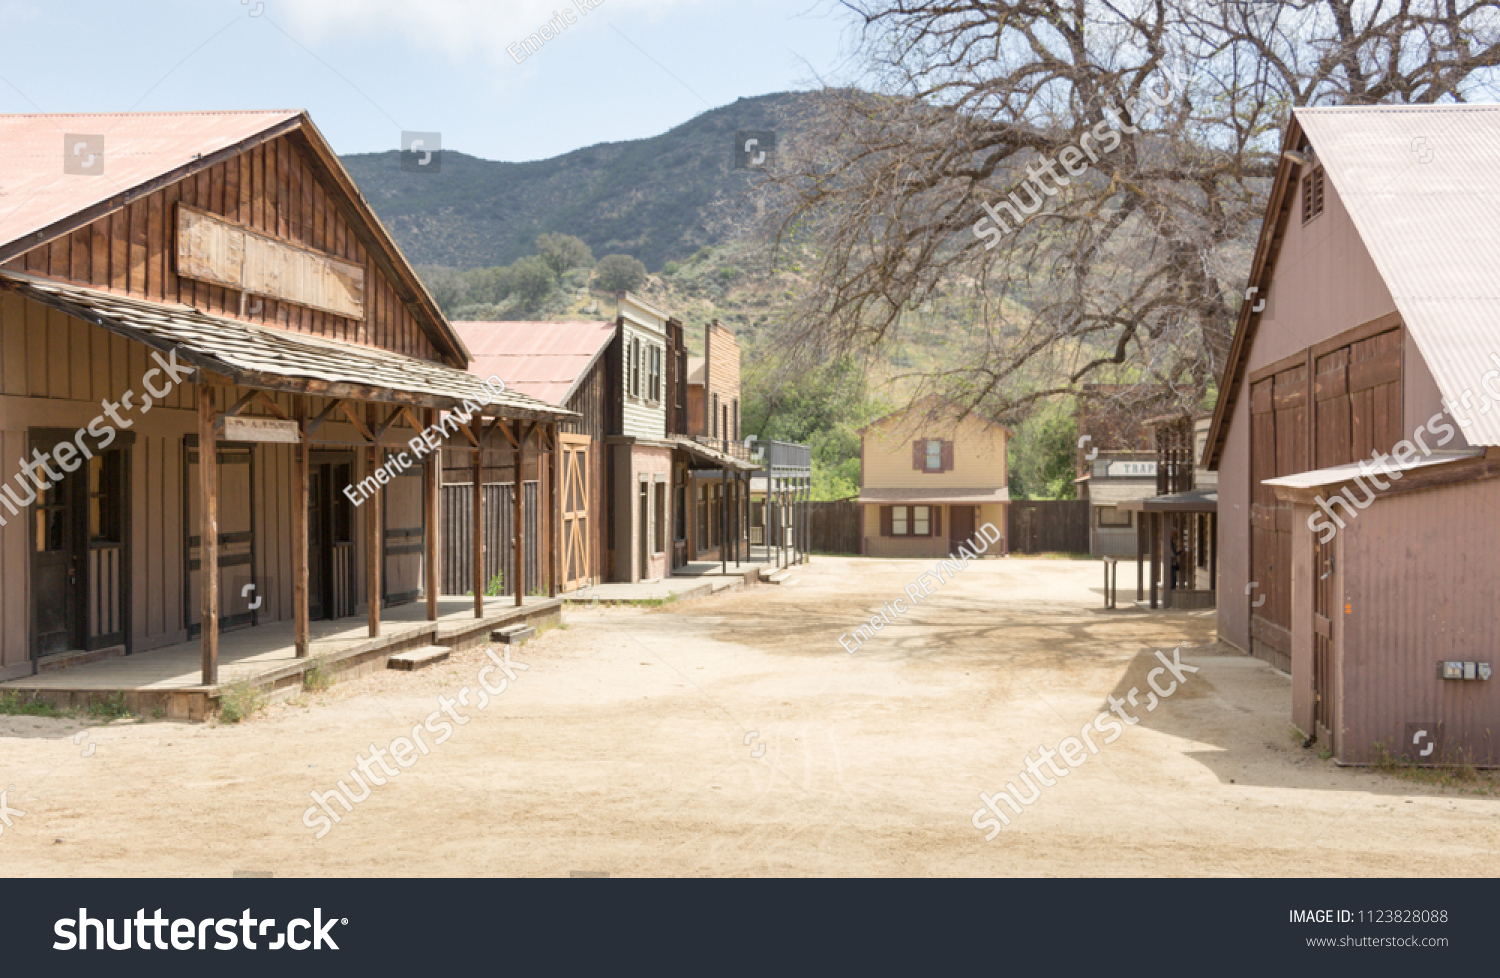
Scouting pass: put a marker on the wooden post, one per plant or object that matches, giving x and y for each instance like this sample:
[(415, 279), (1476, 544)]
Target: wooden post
[(300, 503), (1155, 555), (554, 512), (518, 528), (208, 532), (431, 477), (1140, 554), (477, 522), (374, 558), (1213, 553), (723, 520)]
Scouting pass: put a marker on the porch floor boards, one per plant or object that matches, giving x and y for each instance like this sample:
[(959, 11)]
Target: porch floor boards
[(261, 651)]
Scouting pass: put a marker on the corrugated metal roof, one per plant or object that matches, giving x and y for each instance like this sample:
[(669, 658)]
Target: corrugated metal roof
[(36, 191), (544, 360), (1422, 186), (277, 359)]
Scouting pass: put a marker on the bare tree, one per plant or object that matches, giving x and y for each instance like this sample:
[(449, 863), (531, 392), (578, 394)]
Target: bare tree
[(1079, 183)]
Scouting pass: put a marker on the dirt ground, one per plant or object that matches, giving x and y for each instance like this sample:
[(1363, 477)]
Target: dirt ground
[(734, 736)]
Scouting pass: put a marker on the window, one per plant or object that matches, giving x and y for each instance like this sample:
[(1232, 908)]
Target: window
[(656, 373), (1312, 194), (106, 501), (736, 434), (1113, 516), (680, 513), (661, 517), (932, 455), (714, 416), (633, 369), (910, 521)]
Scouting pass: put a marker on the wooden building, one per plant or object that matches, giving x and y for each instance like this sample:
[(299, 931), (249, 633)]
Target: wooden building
[(213, 278), (1355, 437), (630, 469), (1116, 460), (930, 480)]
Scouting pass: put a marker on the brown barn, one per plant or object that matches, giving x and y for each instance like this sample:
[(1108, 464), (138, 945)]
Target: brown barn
[(1355, 436), (169, 279)]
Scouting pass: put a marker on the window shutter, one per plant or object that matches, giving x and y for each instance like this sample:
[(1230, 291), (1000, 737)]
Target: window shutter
[(937, 521), (947, 456), (885, 521), (919, 455)]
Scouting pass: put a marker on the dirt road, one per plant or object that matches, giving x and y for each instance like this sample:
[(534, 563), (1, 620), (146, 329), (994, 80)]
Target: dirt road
[(734, 736)]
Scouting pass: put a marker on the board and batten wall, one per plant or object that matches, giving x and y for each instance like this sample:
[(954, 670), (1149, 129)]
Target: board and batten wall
[(54, 372)]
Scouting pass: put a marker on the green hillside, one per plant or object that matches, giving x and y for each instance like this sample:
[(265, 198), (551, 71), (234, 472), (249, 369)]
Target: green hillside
[(658, 199)]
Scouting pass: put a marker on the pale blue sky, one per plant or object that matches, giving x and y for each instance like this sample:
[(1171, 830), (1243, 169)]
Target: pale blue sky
[(366, 69)]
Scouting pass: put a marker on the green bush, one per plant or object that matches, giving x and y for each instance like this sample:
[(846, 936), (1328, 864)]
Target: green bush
[(239, 701), (619, 273)]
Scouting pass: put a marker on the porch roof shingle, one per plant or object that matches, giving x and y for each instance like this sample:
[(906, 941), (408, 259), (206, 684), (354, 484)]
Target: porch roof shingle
[(277, 359)]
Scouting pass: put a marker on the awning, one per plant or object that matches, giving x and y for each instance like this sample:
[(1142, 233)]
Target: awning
[(1115, 493), (275, 359), (934, 497), (713, 455), (1195, 501), (1333, 475)]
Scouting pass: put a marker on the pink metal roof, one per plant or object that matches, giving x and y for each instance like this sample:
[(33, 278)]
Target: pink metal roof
[(541, 360), (36, 191)]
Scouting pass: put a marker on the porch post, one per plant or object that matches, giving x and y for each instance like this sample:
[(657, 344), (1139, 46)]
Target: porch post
[(723, 520), (1140, 554), (1155, 555), (374, 559), (208, 532), (431, 474), (518, 528), (477, 522), (554, 513), (300, 503)]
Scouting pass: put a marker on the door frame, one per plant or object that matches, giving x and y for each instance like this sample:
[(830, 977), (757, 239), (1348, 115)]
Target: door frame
[(46, 439)]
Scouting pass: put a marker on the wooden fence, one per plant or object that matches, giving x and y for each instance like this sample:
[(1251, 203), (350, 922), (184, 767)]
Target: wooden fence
[(1048, 526), (458, 541), (835, 527)]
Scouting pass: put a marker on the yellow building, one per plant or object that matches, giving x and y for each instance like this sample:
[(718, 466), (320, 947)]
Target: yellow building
[(930, 482)]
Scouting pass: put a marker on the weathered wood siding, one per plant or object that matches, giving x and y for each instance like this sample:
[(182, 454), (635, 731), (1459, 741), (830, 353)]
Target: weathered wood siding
[(271, 188)]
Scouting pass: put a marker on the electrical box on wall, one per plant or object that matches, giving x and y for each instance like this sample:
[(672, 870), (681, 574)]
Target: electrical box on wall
[(1463, 670)]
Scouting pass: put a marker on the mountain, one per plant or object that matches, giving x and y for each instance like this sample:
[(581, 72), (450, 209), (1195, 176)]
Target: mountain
[(659, 199)]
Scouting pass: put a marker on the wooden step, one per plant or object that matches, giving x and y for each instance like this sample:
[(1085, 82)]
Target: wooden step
[(427, 655), (513, 634)]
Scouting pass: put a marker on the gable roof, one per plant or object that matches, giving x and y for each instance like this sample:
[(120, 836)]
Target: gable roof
[(146, 151), (1421, 185), (929, 403), (547, 361)]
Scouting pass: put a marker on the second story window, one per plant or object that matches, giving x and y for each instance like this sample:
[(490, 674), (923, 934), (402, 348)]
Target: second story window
[(934, 455), (656, 373)]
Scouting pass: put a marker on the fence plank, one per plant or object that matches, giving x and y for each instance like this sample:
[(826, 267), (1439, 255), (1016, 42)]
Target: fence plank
[(1048, 526), (835, 527)]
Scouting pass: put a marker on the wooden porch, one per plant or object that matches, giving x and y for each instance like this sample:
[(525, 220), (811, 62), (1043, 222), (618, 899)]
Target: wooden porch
[(170, 679)]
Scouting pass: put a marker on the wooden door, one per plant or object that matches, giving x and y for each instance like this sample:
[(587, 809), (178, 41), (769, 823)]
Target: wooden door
[(960, 525), (1278, 447), (56, 568), (577, 552), (644, 571), (1324, 602), (236, 482)]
